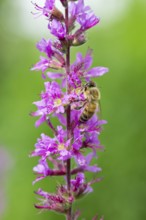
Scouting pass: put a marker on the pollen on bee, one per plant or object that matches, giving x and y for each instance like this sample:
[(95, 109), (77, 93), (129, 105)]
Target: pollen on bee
[(78, 91)]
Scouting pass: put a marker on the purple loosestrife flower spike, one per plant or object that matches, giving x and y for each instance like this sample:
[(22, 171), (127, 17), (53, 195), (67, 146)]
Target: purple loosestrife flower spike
[(72, 98)]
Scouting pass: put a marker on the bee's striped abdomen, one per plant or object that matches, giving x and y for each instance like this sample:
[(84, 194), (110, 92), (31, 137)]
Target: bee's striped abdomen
[(88, 112)]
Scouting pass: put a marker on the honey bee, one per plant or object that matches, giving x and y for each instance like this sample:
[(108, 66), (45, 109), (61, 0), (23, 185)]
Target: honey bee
[(92, 95)]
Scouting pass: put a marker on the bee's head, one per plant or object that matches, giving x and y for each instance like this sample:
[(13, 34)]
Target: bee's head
[(91, 84)]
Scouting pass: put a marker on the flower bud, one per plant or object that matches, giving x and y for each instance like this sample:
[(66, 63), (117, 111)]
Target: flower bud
[(57, 14), (56, 202), (79, 39)]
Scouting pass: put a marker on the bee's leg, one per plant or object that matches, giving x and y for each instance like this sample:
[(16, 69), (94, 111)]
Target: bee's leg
[(79, 105)]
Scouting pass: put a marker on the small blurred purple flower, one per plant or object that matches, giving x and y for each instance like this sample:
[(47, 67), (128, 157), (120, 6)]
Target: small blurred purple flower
[(45, 64), (50, 48), (52, 101), (57, 29), (80, 69), (79, 187), (6, 164), (83, 15), (87, 166), (46, 8), (46, 47)]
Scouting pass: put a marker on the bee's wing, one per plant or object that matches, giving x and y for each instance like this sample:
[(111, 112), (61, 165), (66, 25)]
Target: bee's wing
[(99, 111)]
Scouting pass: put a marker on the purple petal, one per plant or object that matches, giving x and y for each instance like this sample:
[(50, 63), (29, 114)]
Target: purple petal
[(97, 71), (40, 121), (38, 179), (93, 169), (53, 75), (61, 118)]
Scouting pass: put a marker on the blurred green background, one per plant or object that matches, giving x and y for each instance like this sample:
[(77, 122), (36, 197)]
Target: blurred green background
[(119, 45)]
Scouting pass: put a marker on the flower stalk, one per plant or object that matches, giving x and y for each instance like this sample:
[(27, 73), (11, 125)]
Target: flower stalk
[(74, 102), (68, 162)]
